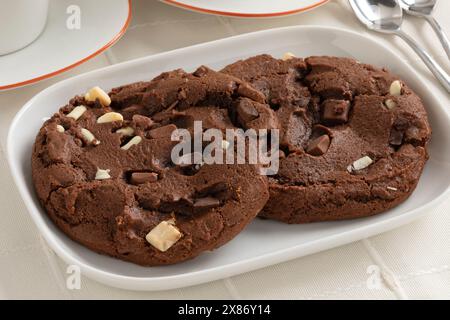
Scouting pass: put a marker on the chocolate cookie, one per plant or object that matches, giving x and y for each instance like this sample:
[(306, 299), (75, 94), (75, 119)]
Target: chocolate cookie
[(354, 137), (102, 168)]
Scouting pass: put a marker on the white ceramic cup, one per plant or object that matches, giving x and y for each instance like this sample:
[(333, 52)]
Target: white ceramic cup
[(21, 22)]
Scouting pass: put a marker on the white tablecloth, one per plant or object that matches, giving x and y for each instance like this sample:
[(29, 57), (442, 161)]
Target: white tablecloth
[(414, 260)]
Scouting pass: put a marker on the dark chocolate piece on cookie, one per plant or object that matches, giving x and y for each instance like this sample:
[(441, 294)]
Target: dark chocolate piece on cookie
[(206, 203), (246, 112), (142, 122), (319, 145), (335, 111), (396, 137), (143, 177), (245, 90)]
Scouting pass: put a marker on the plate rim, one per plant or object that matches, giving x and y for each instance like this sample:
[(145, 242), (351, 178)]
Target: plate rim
[(244, 15), (77, 63), (222, 271)]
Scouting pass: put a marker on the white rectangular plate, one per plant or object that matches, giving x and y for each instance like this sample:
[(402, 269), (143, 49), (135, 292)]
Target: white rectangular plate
[(264, 242)]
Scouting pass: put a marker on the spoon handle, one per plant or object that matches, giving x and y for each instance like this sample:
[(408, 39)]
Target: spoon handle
[(434, 67), (440, 33)]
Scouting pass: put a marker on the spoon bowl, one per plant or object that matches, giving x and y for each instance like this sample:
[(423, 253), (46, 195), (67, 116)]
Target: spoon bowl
[(383, 16), (418, 7)]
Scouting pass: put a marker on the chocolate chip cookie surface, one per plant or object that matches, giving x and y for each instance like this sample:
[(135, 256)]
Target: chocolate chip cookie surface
[(354, 136), (102, 168)]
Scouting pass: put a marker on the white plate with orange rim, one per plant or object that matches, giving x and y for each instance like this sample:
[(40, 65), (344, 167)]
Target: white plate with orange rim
[(263, 242), (62, 45), (248, 8)]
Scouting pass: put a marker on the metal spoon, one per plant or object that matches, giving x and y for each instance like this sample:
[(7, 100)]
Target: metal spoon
[(424, 8), (386, 16)]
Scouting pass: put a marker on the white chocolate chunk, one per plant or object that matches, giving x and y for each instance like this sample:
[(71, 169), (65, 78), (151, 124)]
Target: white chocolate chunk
[(390, 104), (102, 174), (127, 131), (396, 88), (392, 188), (60, 128), (132, 142), (287, 56), (360, 164), (98, 93), (164, 235), (89, 136), (110, 117), (77, 112)]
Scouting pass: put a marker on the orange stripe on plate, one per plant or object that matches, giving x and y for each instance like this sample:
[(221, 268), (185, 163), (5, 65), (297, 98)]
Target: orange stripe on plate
[(52, 74), (244, 15)]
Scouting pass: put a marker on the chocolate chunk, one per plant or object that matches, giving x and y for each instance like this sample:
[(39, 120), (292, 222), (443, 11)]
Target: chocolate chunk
[(247, 91), (143, 177), (396, 137), (201, 71), (319, 146), (329, 85), (162, 132), (142, 121), (246, 112), (206, 203), (335, 111)]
